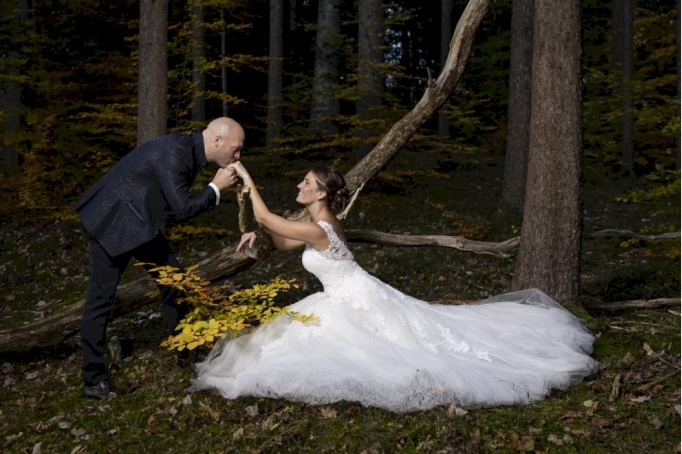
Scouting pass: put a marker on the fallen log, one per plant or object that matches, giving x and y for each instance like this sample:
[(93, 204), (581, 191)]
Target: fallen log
[(57, 327), (615, 306)]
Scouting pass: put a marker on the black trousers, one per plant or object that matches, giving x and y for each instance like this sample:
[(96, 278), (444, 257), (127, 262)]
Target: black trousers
[(105, 274)]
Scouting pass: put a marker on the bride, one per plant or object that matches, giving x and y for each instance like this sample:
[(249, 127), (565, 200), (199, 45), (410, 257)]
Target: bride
[(375, 345)]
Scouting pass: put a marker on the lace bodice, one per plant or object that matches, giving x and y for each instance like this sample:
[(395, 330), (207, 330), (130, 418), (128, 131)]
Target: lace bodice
[(333, 265)]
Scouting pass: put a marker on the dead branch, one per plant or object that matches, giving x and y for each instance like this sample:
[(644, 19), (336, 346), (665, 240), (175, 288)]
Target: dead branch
[(631, 234), (502, 249), (633, 304)]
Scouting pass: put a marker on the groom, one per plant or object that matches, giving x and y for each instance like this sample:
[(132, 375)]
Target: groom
[(123, 213)]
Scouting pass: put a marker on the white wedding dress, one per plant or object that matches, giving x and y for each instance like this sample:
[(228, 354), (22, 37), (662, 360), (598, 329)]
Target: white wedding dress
[(382, 348)]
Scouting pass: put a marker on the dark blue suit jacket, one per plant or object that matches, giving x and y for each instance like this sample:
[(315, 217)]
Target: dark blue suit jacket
[(127, 206)]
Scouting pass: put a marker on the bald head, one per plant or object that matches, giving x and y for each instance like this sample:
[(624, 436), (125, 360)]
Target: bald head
[(223, 141)]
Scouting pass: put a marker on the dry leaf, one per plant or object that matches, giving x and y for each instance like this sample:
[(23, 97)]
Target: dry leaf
[(150, 419), (328, 413), (554, 439), (647, 348), (600, 422), (656, 422)]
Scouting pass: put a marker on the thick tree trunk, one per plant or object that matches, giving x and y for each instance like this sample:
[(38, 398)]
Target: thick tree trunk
[(518, 117), (324, 104), (549, 253), (370, 81), (153, 73), (274, 123), (445, 33), (59, 326), (198, 76)]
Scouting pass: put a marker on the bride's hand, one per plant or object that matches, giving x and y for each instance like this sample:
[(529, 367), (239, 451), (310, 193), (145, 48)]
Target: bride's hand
[(241, 172), (247, 238)]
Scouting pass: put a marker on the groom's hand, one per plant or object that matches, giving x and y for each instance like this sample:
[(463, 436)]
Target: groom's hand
[(225, 178)]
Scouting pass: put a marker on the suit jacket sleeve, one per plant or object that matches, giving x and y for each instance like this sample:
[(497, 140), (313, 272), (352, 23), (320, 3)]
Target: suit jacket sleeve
[(176, 175)]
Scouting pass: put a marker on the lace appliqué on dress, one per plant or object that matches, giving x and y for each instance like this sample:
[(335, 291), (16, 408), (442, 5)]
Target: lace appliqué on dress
[(337, 250)]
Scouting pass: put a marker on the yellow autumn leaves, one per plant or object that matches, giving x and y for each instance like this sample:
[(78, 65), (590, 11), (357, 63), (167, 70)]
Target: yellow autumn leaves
[(216, 314)]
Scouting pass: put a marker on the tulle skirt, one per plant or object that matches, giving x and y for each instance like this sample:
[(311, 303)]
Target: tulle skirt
[(382, 348)]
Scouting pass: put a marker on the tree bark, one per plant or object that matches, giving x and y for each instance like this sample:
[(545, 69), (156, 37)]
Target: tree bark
[(153, 73), (198, 76), (518, 117), (549, 252), (274, 122), (445, 33), (370, 80), (59, 326), (324, 103)]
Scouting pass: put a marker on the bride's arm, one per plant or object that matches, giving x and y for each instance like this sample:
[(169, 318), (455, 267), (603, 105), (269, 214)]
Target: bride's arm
[(291, 233), (282, 243)]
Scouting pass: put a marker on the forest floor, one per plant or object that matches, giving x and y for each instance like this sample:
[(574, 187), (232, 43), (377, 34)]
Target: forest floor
[(631, 405)]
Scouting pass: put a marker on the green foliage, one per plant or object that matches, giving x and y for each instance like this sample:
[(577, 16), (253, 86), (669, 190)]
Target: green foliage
[(664, 184), (656, 109), (215, 315)]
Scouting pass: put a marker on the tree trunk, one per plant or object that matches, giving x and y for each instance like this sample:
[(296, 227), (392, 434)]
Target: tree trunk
[(223, 52), (62, 324), (324, 104), (445, 33), (549, 253), (518, 117), (274, 122), (622, 65), (678, 159), (370, 80), (292, 15), (12, 94), (153, 74), (198, 76)]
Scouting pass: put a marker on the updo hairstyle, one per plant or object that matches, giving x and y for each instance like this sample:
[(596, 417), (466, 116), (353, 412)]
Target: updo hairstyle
[(332, 182)]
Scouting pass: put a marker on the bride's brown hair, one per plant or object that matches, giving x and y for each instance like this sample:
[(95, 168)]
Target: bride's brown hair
[(332, 182)]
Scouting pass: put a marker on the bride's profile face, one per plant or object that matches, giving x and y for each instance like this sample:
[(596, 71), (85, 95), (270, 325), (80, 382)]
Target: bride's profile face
[(308, 192)]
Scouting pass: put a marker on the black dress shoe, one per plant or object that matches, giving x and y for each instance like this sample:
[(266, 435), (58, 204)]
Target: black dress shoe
[(103, 389)]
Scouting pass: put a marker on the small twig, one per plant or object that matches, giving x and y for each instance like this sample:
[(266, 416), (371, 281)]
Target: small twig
[(468, 282), (633, 322), (657, 381), (355, 195)]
